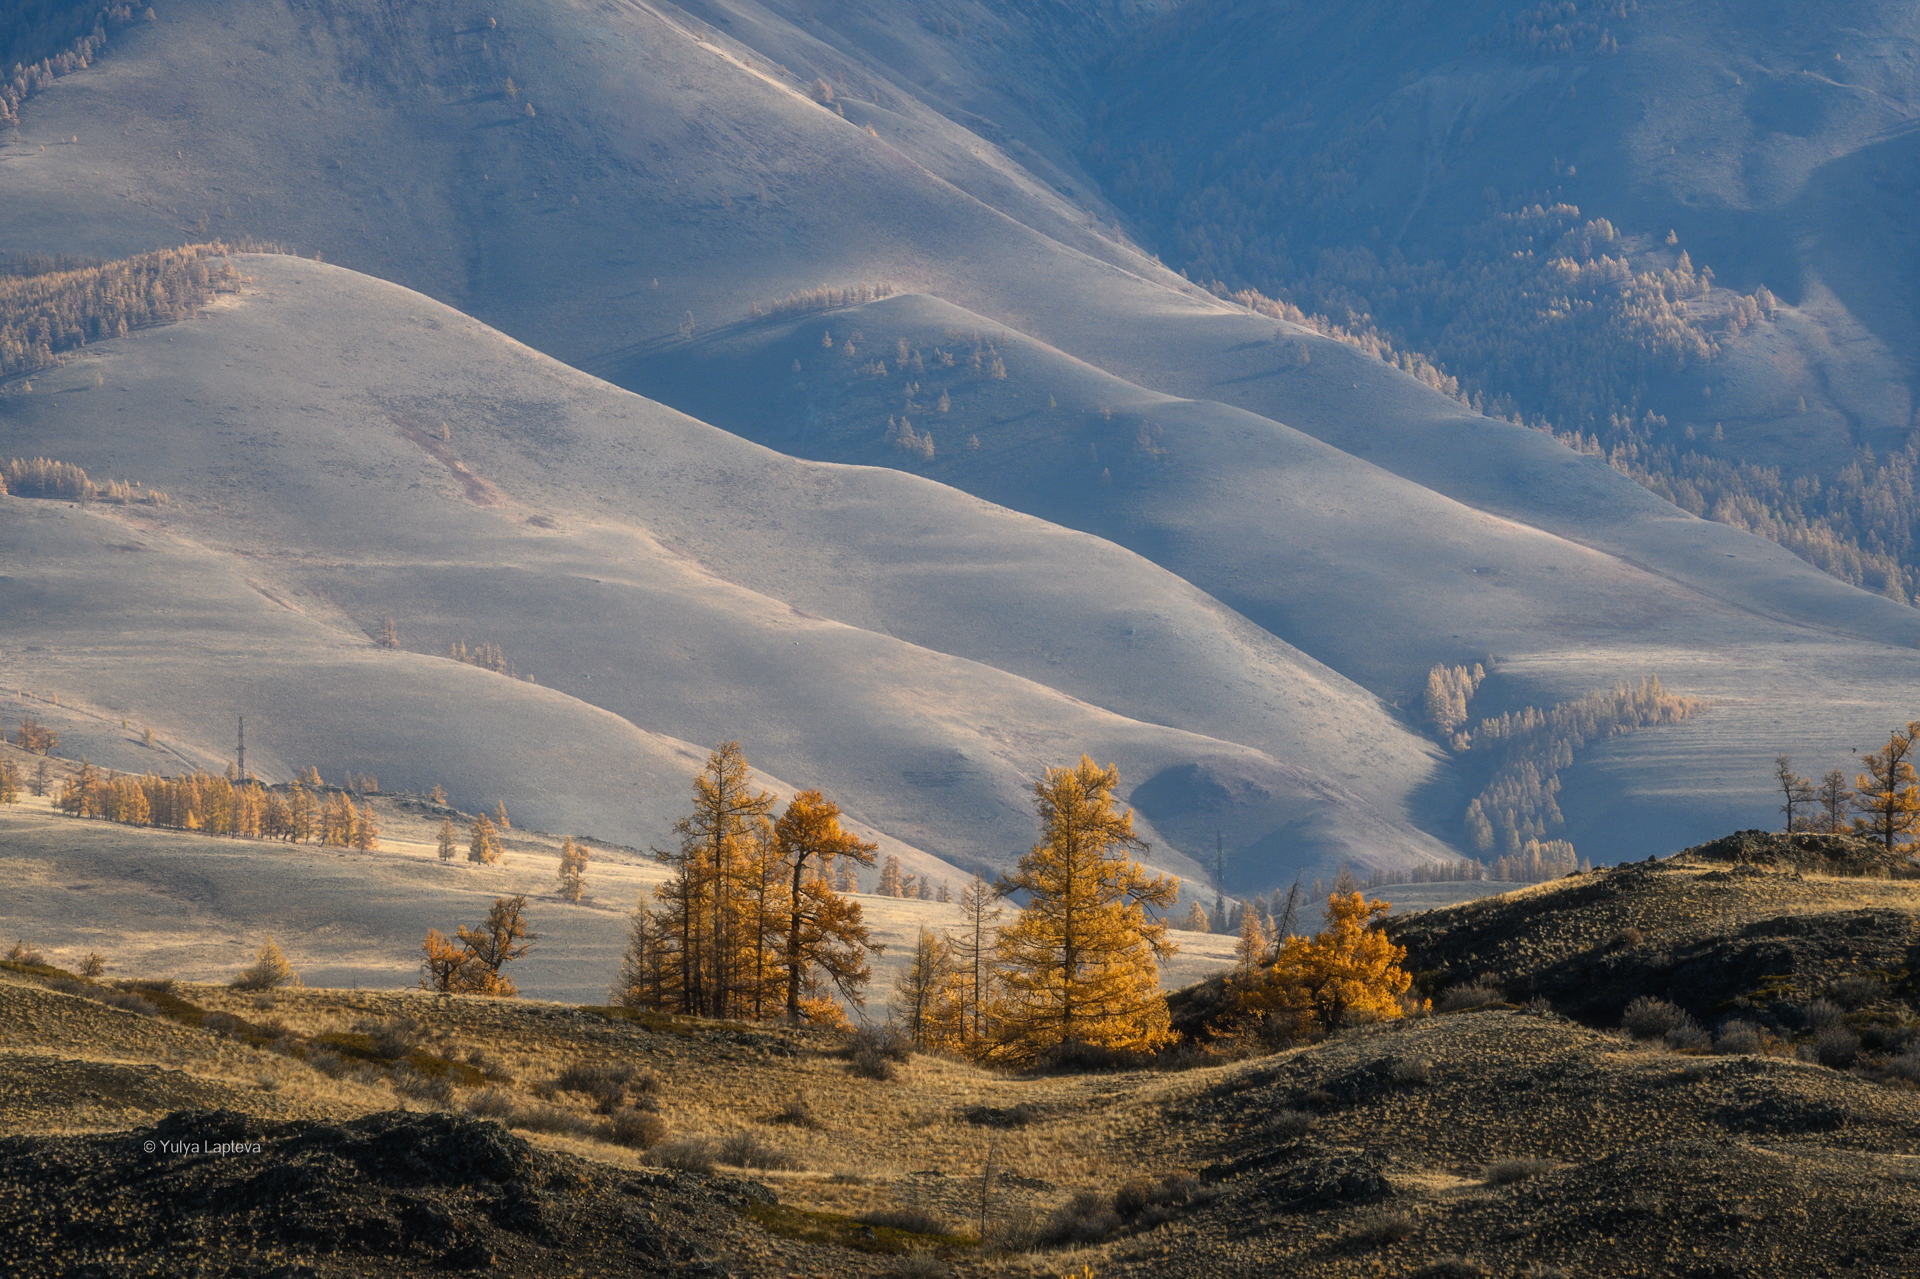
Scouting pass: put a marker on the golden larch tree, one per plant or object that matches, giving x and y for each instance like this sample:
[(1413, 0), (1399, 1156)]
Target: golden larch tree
[(573, 869), (1080, 962), (501, 938), (447, 843), (823, 931), (1887, 795), (483, 842), (1348, 970)]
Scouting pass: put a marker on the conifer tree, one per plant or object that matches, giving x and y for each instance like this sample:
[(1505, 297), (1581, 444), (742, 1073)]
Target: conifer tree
[(9, 783), (447, 843), (1888, 794), (918, 991), (269, 971), (889, 877), (1080, 961), (1834, 798), (438, 796), (975, 961), (501, 938), (650, 968), (1348, 968), (500, 816), (444, 966), (483, 842), (1196, 920), (573, 869), (1251, 949), (703, 896), (41, 778), (945, 894), (823, 930), (366, 831)]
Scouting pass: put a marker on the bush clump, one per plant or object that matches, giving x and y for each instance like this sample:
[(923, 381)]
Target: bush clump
[(1505, 1172), (1650, 1018), (608, 1084), (745, 1150), (919, 1221), (1739, 1037), (689, 1154), (873, 1053), (1478, 993), (1086, 1218)]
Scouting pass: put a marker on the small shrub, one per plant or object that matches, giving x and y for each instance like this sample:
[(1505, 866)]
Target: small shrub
[(1450, 1268), (919, 1265), (1145, 1203), (1411, 1070), (1505, 1172), (1385, 1229), (1650, 1018), (689, 1154), (222, 1023), (1820, 1013), (1288, 1125), (22, 952), (330, 1064), (1320, 1098), (490, 1103), (419, 1086), (1836, 1046), (1688, 1037), (393, 1037), (640, 1129), (1857, 990), (1906, 1066), (131, 1002), (919, 1221), (798, 1113), (744, 1150), (1479, 993), (1739, 1037), (606, 1083), (1016, 1229), (1086, 1218), (93, 966)]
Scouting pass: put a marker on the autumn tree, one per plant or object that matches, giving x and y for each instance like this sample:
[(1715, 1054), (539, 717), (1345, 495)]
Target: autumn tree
[(1798, 791), (1887, 796), (9, 783), (448, 843), (650, 967), (823, 930), (573, 869), (890, 878), (366, 831), (1196, 920), (702, 897), (1349, 969), (445, 964), (269, 971), (483, 842), (500, 816), (1251, 949), (1080, 962), (502, 938), (919, 990)]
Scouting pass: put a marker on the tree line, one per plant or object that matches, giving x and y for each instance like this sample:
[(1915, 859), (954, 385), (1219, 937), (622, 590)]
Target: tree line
[(44, 316), (44, 477), (220, 804), (74, 33)]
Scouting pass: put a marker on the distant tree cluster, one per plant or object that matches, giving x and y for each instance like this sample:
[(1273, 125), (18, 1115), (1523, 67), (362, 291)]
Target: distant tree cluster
[(219, 804), (823, 298), (73, 35), (44, 477), (488, 657), (896, 882), (1449, 689), (1883, 804), (43, 316), (31, 735), (1538, 861), (1532, 745), (749, 923), (753, 923)]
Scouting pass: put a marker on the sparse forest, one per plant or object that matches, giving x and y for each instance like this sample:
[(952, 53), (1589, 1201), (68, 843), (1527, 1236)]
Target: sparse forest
[(1883, 805), (44, 477)]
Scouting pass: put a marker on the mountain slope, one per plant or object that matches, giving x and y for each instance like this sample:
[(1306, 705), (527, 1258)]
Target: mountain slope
[(341, 450)]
